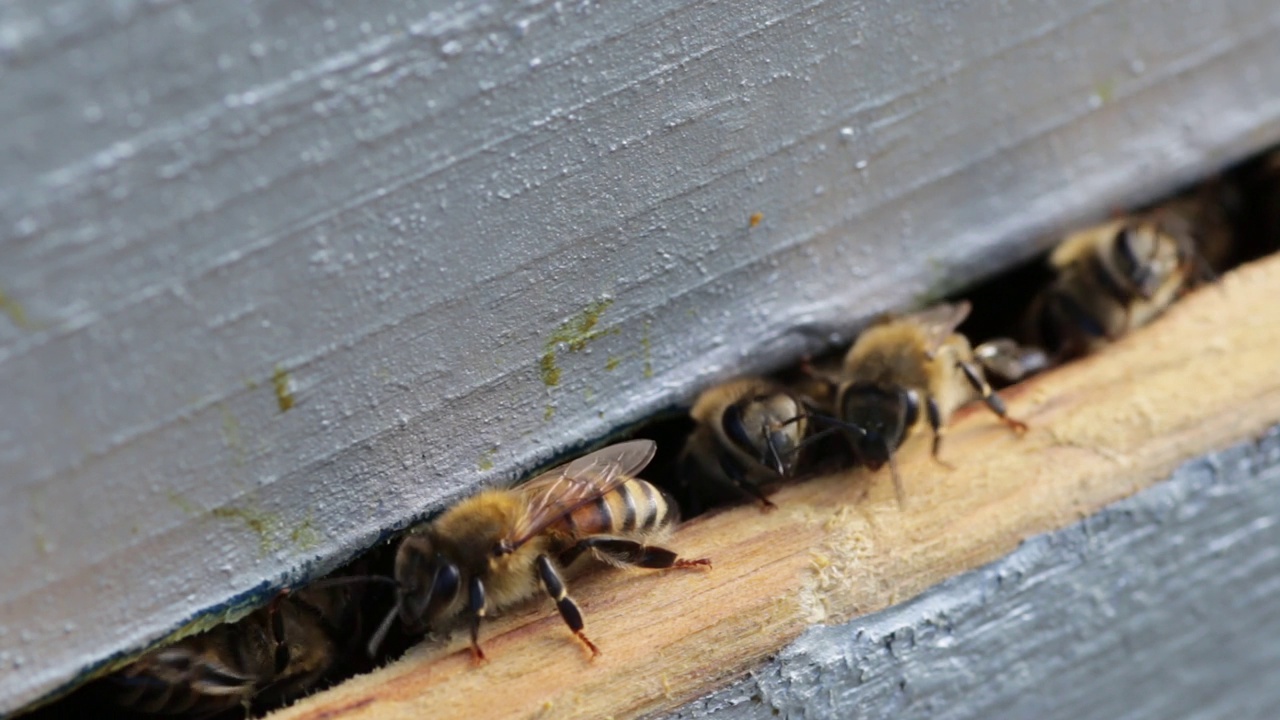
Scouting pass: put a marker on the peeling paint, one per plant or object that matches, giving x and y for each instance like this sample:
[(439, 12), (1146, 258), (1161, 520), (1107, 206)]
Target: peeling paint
[(283, 385), (573, 336)]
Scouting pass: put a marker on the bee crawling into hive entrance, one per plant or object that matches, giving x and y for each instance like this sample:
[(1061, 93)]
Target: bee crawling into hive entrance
[(748, 432), (1112, 278), (496, 548), (902, 373), (272, 656)]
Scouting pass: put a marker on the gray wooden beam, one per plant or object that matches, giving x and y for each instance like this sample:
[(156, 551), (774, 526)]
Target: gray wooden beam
[(278, 277), (1159, 606)]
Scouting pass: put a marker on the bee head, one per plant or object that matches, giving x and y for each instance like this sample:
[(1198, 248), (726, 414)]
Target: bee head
[(769, 428), (1148, 255), (427, 580), (881, 416)]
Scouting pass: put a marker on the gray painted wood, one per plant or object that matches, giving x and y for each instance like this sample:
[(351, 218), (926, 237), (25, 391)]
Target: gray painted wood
[(1159, 606), (277, 277)]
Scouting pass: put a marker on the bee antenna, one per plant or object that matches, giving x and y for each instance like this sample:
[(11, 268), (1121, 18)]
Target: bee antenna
[(831, 422), (772, 453), (1201, 266), (352, 580), (375, 642), (791, 420), (898, 489), (832, 425)]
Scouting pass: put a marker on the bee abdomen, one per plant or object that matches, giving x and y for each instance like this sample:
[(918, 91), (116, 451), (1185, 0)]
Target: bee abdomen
[(633, 508), (179, 683)]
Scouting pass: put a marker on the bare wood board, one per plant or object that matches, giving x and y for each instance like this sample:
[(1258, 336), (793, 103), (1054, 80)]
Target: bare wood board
[(1205, 375)]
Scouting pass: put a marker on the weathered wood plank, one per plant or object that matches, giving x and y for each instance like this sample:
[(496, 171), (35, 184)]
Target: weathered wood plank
[(1205, 376), (1161, 605)]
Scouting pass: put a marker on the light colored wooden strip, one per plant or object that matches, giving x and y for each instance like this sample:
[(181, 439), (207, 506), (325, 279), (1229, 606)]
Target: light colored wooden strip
[(1138, 588), (1205, 375)]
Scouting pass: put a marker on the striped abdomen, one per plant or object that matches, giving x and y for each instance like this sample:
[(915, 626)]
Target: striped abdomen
[(634, 508), (198, 675)]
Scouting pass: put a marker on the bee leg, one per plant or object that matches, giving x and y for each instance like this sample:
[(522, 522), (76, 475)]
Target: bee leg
[(1076, 328), (739, 481), (569, 610), (1201, 272), (476, 605), (277, 632), (818, 436), (899, 491), (1009, 360), (630, 552), (990, 397), (934, 413)]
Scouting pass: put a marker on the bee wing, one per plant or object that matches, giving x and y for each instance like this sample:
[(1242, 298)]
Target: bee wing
[(939, 322), (555, 494)]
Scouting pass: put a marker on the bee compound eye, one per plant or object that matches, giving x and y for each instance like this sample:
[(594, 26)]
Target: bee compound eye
[(735, 427), (444, 588)]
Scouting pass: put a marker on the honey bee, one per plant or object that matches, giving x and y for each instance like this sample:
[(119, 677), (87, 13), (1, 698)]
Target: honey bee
[(1120, 275), (749, 431), (496, 548), (273, 655), (900, 364)]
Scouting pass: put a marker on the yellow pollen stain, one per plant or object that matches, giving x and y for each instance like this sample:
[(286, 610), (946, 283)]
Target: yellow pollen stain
[(15, 311), (572, 336), (283, 385)]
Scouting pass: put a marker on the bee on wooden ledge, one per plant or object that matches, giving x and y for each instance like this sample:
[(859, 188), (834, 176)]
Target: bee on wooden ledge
[(749, 432), (495, 549)]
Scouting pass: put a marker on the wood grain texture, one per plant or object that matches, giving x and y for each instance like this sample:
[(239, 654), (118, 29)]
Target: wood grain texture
[(278, 277), (1161, 605), (1205, 376)]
